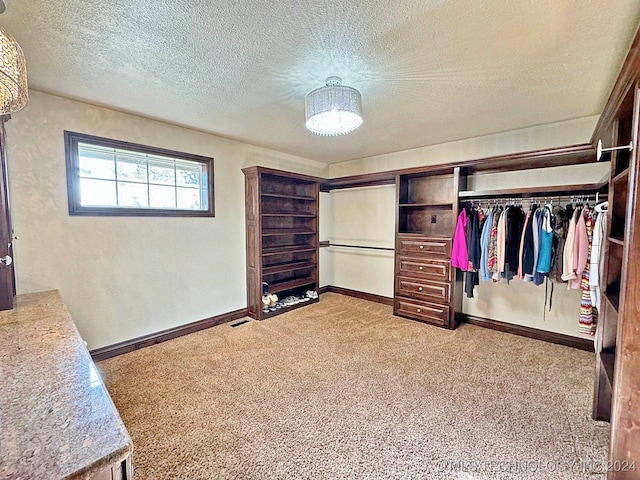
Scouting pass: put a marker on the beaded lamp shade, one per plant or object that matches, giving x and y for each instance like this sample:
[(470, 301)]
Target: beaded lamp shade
[(13, 75), (334, 109)]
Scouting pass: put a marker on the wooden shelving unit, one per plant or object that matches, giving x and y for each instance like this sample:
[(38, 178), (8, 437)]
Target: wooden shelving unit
[(618, 222), (282, 236), (425, 287)]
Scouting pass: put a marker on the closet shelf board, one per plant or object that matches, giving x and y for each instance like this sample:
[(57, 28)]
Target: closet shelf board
[(287, 249), (617, 241), (608, 359), (292, 197), (621, 177), (287, 267), (583, 188), (291, 284), (288, 214), (614, 300), (444, 206), (287, 231), (289, 308)]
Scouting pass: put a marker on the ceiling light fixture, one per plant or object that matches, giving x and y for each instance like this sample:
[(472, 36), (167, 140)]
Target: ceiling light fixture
[(334, 109), (14, 93)]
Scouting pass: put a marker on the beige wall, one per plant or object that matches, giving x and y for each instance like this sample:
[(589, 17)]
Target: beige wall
[(366, 217), (517, 303), (123, 277)]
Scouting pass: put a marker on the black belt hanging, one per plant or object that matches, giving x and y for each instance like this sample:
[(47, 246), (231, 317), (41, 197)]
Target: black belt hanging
[(548, 295)]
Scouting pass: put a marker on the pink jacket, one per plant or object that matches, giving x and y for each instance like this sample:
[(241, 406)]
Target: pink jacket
[(459, 250), (580, 252)]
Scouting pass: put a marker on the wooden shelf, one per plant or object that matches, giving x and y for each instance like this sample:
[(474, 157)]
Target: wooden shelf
[(614, 300), (287, 249), (289, 214), (289, 308), (291, 284), (608, 358), (291, 197), (444, 206), (617, 241), (548, 191), (621, 177), (286, 231), (287, 267)]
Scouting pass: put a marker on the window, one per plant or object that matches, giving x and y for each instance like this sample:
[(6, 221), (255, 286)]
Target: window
[(111, 177)]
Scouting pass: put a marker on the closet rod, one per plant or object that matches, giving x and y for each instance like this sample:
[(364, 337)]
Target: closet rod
[(329, 244)]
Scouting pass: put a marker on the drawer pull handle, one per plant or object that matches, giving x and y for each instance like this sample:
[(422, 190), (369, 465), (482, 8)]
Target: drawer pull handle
[(419, 310), (420, 268), (421, 247), (419, 289)]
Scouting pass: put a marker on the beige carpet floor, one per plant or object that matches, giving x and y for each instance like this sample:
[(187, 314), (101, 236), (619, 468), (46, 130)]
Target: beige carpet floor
[(344, 390)]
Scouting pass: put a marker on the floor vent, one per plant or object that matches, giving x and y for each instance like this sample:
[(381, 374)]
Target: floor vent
[(239, 323)]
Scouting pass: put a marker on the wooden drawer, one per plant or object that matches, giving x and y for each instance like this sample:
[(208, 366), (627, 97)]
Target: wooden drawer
[(424, 267), (423, 311), (411, 245), (423, 289)]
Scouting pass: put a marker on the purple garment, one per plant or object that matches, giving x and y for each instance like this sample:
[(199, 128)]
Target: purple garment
[(459, 251)]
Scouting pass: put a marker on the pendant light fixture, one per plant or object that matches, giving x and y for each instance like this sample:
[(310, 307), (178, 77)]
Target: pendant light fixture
[(13, 75), (334, 109)]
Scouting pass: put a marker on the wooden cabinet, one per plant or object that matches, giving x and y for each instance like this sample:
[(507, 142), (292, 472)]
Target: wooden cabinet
[(425, 287), (281, 211)]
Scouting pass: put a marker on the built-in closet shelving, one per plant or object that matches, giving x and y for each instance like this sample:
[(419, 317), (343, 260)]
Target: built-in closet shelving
[(617, 378), (620, 211), (282, 236), (425, 287)]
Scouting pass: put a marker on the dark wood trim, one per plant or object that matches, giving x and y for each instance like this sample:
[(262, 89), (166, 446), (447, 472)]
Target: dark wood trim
[(71, 140), (109, 351), (537, 334), (357, 294), (364, 180), (628, 74), (533, 159), (272, 171)]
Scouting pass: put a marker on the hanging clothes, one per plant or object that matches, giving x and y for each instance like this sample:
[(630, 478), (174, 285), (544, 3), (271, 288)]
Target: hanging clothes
[(473, 242), (597, 260), (524, 244), (580, 249), (500, 245), (529, 248), (567, 258), (515, 224), (560, 219), (485, 238), (546, 242), (538, 277), (588, 315), (492, 255), (459, 251)]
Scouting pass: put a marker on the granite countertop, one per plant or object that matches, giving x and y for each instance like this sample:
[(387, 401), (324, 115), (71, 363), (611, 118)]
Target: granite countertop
[(57, 420)]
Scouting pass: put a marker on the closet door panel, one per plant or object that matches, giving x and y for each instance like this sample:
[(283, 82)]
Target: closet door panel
[(424, 267), (424, 289)]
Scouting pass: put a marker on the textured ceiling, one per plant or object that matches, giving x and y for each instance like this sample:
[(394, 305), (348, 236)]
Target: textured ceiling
[(429, 71)]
